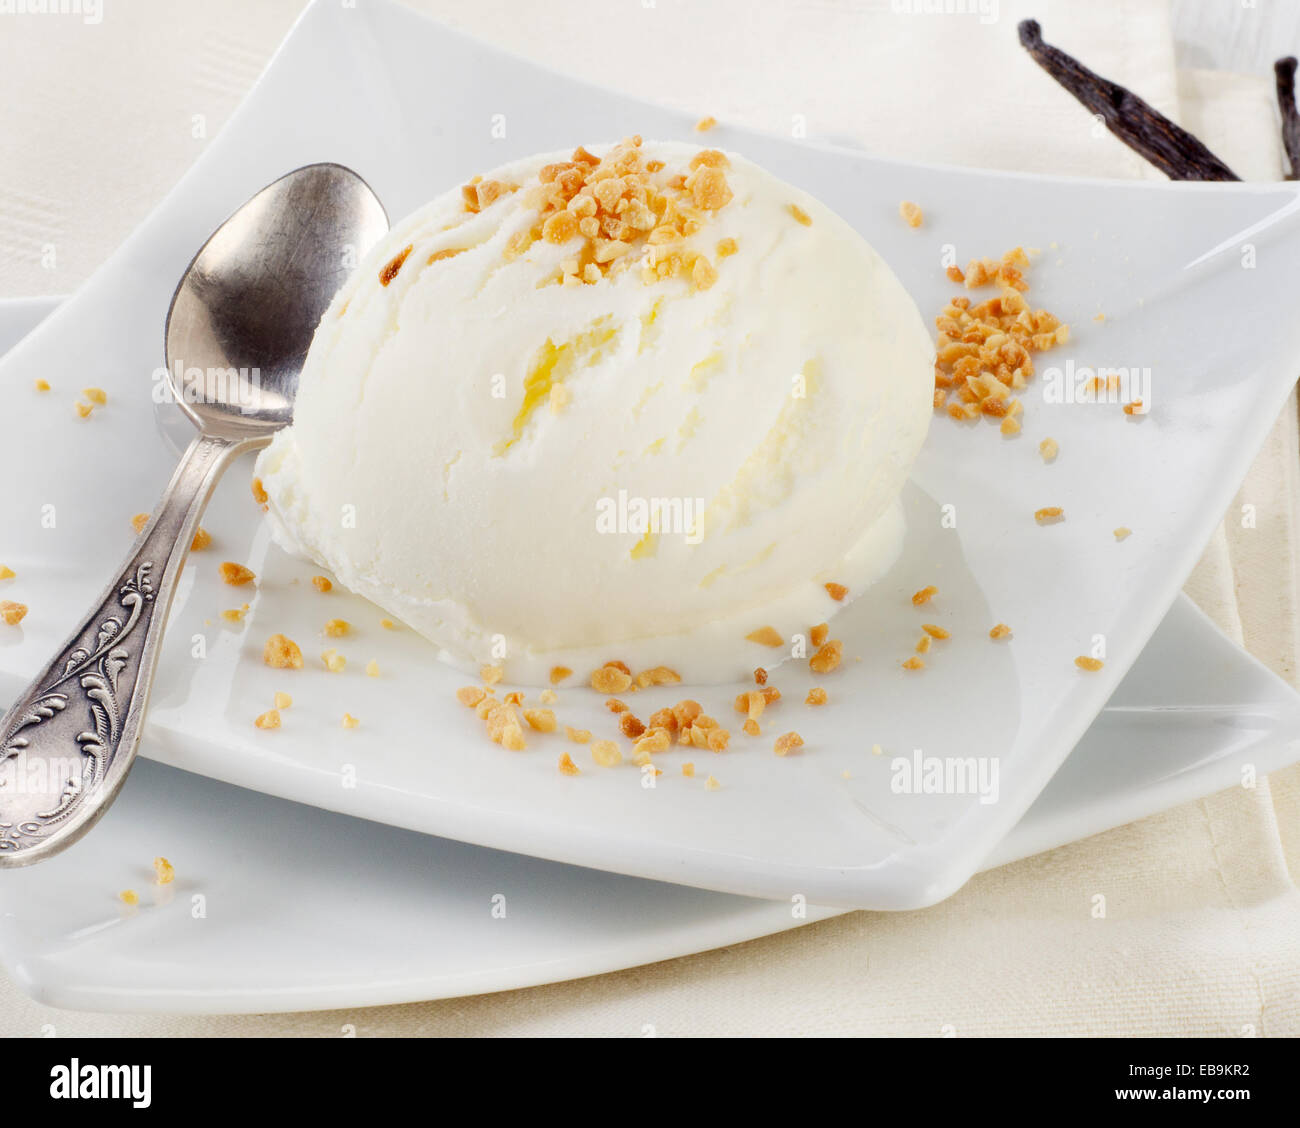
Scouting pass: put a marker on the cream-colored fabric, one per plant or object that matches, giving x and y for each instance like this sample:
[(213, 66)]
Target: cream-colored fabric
[(1202, 927)]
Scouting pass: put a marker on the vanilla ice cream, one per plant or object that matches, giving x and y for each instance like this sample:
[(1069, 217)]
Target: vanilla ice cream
[(626, 406)]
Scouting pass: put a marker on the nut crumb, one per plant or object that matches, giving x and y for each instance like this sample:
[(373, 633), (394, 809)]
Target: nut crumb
[(935, 631), (1090, 664), (129, 897), (765, 636), (139, 521), (541, 720), (337, 628), (283, 700), (388, 624), (788, 743), (923, 644), (349, 721), (610, 679), (372, 669), (659, 675), (470, 695), (818, 635), (705, 124), (711, 784), (911, 213), (579, 736), (236, 575), (259, 492), (836, 591), (816, 696), (800, 215), (97, 396), (1123, 532), (1000, 631), (827, 658), (605, 752), (164, 872), (688, 769), (202, 538), (760, 676), (334, 661), (914, 664), (6, 573), (924, 595), (282, 653), (1050, 515), (268, 720), (559, 673), (11, 612), (751, 728), (83, 410), (491, 674), (323, 585), (1049, 448), (42, 385), (630, 725), (567, 766)]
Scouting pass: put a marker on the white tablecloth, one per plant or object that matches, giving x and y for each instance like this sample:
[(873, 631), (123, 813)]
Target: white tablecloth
[(1202, 934)]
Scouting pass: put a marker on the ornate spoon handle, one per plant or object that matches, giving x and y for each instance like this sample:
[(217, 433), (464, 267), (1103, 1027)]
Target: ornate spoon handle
[(68, 742)]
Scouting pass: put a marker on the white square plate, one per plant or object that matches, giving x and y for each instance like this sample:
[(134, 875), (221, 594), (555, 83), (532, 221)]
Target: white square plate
[(401, 100)]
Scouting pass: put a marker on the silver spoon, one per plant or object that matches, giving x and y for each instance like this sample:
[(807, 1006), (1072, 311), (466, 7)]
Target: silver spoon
[(237, 334)]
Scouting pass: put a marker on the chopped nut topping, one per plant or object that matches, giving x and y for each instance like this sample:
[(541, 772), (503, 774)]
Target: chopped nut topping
[(630, 725), (1123, 532), (6, 573), (335, 662), (491, 674), (268, 720), (567, 766), (914, 664), (1010, 426), (686, 711), (827, 658), (129, 897), (837, 592), (235, 614), (11, 612), (1134, 408), (659, 675), (606, 753), (705, 124), (139, 521), (656, 741), (97, 396), (259, 492), (515, 698), (799, 214), (688, 769), (935, 631), (923, 644), (548, 697), (84, 410), (236, 575), (164, 873), (321, 584), (283, 701), (912, 215), (955, 275), (816, 696), (751, 728), (818, 635), (393, 265), (614, 705), (711, 784), (1000, 631), (337, 628), (202, 538), (42, 385), (282, 653), (372, 669), (388, 624), (610, 679), (1051, 515), (1091, 664), (580, 736), (349, 721), (726, 247), (766, 636), (788, 743), (543, 720), (1049, 448), (924, 595), (559, 673), (760, 676)]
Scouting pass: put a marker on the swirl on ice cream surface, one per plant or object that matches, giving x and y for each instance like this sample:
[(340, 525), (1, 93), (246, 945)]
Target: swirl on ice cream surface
[(635, 403)]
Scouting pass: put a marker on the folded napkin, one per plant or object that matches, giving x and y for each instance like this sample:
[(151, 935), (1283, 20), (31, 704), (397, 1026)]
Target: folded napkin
[(1202, 929)]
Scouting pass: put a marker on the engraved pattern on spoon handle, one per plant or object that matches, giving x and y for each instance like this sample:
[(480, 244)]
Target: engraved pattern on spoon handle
[(68, 742)]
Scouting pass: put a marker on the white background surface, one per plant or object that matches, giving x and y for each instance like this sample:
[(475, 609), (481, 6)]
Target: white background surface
[(1201, 935)]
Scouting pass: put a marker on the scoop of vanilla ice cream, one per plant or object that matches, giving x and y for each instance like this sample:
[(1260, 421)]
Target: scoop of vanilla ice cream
[(541, 440)]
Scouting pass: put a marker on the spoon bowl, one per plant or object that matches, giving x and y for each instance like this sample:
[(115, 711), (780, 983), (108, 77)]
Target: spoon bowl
[(240, 324)]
